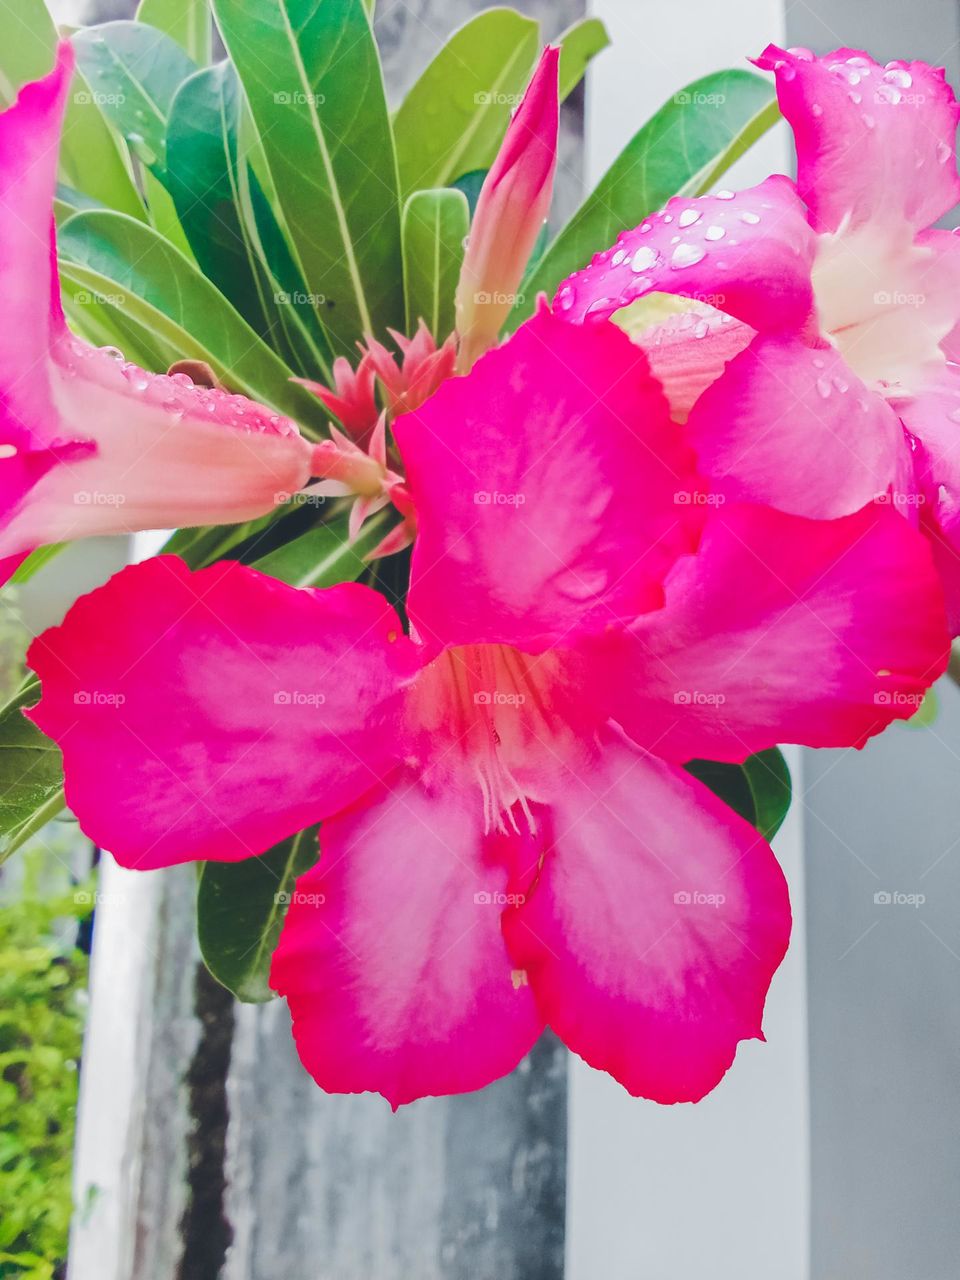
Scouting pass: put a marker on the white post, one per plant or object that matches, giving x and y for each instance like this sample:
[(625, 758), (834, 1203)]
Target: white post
[(720, 1189)]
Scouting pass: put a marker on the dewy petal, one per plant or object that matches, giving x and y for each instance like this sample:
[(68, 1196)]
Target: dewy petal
[(748, 254), (552, 490), (392, 957), (833, 629), (208, 715), (89, 444), (658, 920), (874, 143), (792, 426), (689, 351)]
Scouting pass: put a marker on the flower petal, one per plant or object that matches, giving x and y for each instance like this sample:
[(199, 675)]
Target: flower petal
[(689, 351), (748, 254), (208, 715), (783, 629), (793, 427), (874, 143), (546, 486), (658, 921), (90, 444), (392, 958)]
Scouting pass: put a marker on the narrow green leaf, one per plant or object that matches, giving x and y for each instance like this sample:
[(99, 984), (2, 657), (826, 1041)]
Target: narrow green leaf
[(455, 116), (156, 287), (186, 21), (579, 45), (759, 789), (219, 201), (90, 155), (93, 306), (137, 70), (435, 227), (313, 81), (31, 773), (35, 561), (685, 147), (324, 556), (240, 911), (163, 214)]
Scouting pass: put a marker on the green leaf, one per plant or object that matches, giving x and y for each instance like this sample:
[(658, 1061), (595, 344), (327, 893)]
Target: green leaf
[(927, 712), (579, 45), (435, 227), (90, 155), (31, 773), (218, 201), (240, 911), (684, 148), (455, 116), (186, 21), (324, 556), (157, 289), (35, 562), (163, 214), (313, 81), (759, 789), (137, 70)]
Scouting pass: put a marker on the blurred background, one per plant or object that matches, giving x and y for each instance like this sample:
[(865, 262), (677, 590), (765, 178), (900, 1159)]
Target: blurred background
[(205, 1153)]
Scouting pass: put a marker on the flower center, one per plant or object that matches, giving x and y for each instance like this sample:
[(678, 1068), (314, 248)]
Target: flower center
[(502, 719)]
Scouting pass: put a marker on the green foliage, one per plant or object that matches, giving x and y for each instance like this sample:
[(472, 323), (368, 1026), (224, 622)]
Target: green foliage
[(42, 980), (759, 789)]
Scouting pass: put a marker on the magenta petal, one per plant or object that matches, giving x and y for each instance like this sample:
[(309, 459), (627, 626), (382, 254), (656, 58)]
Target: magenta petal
[(749, 254), (91, 444), (655, 928), (208, 715), (795, 428), (552, 491), (873, 142), (689, 351), (392, 958), (834, 628)]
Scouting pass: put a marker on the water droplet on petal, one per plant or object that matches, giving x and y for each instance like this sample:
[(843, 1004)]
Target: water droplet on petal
[(714, 233), (618, 257), (689, 217), (816, 109), (898, 76), (943, 153), (750, 218), (644, 259), (8, 450), (823, 388), (954, 415), (725, 195), (686, 255)]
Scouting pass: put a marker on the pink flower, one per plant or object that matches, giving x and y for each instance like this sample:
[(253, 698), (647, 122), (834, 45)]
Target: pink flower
[(89, 443), (513, 206), (845, 306), (509, 839)]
